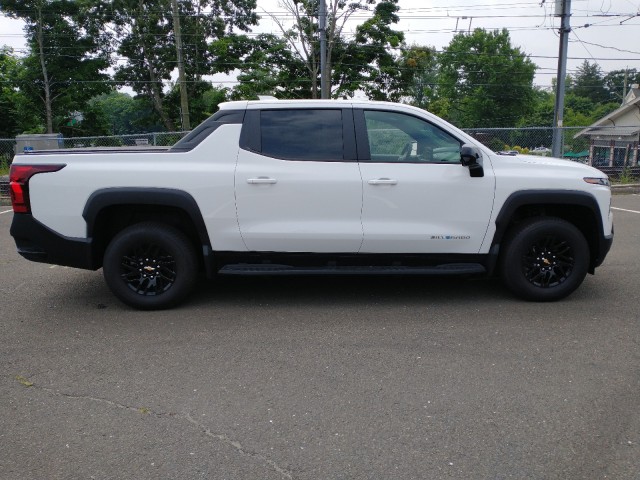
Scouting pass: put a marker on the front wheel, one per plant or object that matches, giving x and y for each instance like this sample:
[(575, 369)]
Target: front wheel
[(544, 259), (150, 266)]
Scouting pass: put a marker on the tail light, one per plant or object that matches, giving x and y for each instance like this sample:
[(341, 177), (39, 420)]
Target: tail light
[(19, 176)]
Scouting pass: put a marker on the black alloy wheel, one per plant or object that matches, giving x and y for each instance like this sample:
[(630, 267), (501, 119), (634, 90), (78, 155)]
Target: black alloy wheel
[(549, 261), (150, 266), (148, 269), (544, 259)]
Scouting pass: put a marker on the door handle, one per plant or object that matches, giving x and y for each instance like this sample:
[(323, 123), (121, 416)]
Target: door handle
[(261, 181), (383, 181)]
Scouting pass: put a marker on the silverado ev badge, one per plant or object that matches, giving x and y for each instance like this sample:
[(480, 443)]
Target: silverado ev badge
[(450, 237)]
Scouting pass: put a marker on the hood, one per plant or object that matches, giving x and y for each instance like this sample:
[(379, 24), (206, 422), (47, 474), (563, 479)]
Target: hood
[(536, 160)]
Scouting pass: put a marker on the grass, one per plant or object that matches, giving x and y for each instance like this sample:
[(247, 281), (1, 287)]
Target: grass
[(626, 177), (4, 165)]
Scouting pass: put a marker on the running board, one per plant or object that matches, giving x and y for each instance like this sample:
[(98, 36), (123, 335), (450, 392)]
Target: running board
[(274, 269)]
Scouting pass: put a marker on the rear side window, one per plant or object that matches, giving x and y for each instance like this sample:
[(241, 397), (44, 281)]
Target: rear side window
[(302, 134)]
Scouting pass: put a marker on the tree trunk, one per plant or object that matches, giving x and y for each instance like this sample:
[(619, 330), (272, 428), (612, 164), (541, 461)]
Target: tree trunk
[(157, 99), (45, 74), (154, 89), (184, 97)]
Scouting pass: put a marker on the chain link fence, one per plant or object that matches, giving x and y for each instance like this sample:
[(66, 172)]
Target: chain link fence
[(533, 140), (7, 149), (159, 139), (528, 140)]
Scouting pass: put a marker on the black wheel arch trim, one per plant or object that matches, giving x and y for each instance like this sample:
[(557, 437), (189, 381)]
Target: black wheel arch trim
[(554, 197), (168, 197)]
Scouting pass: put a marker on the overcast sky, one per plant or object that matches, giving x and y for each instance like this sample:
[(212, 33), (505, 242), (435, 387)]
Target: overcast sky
[(603, 31)]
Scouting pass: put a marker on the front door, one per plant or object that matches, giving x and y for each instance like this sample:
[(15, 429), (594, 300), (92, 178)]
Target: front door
[(417, 196)]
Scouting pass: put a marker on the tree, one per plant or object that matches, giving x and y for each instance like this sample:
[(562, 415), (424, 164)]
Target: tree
[(9, 94), (67, 54), (588, 82), (148, 43), (542, 113), (485, 81), (204, 100), (368, 62), (349, 64), (615, 81), (268, 67), (419, 75)]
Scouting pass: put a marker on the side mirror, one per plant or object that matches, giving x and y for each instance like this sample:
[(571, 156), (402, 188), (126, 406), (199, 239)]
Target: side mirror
[(469, 156)]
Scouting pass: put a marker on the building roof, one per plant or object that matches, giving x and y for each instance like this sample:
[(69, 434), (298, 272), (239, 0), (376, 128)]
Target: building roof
[(607, 125)]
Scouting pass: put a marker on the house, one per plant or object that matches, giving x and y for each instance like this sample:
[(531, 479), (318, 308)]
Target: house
[(614, 138)]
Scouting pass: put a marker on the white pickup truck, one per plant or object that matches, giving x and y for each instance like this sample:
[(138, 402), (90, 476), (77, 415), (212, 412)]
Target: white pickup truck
[(312, 187)]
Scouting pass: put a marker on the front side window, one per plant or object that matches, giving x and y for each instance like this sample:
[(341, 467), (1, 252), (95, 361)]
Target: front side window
[(396, 137), (305, 134)]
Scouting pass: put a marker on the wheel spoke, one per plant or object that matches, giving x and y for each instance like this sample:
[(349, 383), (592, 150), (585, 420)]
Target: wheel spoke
[(148, 269), (548, 261)]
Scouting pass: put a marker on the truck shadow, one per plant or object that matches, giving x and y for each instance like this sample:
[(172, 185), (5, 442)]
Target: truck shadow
[(347, 290)]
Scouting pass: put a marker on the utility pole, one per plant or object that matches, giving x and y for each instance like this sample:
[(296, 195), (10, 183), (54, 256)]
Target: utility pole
[(322, 30), (563, 9), (184, 98)]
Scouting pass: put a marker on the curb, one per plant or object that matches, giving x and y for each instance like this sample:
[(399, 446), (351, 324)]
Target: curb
[(623, 189)]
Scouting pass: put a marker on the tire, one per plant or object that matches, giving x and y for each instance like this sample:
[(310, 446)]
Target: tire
[(545, 259), (150, 266)]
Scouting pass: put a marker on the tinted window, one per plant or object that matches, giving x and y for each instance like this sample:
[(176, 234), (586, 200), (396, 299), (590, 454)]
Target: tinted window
[(396, 137), (302, 134)]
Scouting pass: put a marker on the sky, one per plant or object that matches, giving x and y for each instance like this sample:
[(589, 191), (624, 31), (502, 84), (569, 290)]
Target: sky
[(603, 31)]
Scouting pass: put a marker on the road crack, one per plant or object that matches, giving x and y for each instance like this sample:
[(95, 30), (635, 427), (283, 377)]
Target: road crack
[(238, 446), (146, 411)]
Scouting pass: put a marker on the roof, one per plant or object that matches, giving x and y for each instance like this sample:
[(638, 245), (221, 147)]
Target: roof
[(612, 131), (607, 123)]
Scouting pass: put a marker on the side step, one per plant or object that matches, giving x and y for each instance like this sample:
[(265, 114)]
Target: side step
[(274, 269)]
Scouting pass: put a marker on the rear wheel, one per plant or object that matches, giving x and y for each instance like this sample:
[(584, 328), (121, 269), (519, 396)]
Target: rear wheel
[(544, 259), (150, 266)]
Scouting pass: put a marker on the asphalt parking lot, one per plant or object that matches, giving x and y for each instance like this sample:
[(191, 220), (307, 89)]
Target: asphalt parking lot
[(322, 378)]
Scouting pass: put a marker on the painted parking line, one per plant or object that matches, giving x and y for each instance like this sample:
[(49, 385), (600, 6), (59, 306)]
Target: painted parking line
[(6, 211), (624, 210)]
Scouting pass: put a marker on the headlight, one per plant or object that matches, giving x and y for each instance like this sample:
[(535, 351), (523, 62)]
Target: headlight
[(598, 181)]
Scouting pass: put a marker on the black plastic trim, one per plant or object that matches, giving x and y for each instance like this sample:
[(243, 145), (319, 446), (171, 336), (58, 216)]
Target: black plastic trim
[(284, 270), (554, 197), (39, 243), (206, 128), (146, 196), (305, 260), (250, 138)]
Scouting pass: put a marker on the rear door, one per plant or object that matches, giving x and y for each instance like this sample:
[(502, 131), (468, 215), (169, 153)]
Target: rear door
[(298, 185)]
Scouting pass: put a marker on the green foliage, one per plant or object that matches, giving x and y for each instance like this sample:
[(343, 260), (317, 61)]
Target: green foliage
[(614, 82), (588, 82), (203, 102), (9, 69), (146, 34), (67, 54), (479, 80), (367, 62), (419, 75), (488, 82), (5, 163), (626, 176), (268, 67)]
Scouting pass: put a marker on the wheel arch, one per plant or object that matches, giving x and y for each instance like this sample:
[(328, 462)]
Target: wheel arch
[(108, 211), (578, 208)]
